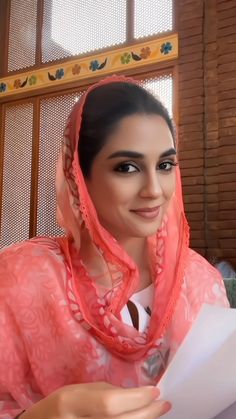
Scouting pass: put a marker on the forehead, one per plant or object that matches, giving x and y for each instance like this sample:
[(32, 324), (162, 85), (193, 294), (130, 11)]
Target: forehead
[(143, 133)]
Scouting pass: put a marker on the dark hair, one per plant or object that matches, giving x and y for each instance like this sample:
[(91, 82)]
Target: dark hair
[(104, 108)]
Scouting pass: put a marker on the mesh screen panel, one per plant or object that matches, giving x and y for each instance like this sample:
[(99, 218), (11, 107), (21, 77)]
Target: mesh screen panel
[(17, 174), (74, 27), (53, 115), (22, 34), (162, 87), (152, 16)]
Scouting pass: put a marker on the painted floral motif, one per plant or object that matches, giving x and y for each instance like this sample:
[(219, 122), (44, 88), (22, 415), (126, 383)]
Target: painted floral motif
[(125, 58), (32, 80), (76, 69), (3, 87), (17, 83), (145, 53), (166, 48), (59, 73), (95, 65)]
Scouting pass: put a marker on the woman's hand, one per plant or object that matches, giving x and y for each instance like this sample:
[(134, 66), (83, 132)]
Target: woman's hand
[(99, 400)]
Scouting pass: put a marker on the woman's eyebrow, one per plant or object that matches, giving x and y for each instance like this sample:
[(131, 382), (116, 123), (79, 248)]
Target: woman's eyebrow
[(136, 155)]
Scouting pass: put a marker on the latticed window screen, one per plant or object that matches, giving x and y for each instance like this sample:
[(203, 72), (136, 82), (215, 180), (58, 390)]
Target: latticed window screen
[(152, 17), (53, 115), (75, 27), (22, 34), (162, 88), (16, 173)]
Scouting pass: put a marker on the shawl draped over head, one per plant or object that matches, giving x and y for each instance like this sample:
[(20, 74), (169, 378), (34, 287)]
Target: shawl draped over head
[(168, 249)]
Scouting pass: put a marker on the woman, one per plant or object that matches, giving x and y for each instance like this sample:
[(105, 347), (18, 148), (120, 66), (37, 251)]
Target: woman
[(89, 321)]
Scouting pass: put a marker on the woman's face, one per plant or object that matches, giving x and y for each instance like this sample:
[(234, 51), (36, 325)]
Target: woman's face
[(133, 177)]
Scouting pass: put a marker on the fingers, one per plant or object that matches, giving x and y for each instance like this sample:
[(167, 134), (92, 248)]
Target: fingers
[(103, 400), (118, 401), (153, 411)]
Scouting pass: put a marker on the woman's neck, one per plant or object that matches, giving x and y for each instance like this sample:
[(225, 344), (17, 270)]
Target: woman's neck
[(137, 249)]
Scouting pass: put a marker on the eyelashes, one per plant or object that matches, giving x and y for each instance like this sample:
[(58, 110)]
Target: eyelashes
[(130, 167)]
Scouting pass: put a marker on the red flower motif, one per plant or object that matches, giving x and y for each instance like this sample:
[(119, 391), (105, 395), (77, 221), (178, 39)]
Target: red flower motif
[(145, 52), (76, 69), (17, 83)]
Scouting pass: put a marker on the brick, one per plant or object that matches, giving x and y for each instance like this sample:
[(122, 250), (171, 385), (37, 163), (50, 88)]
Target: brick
[(196, 65), (197, 225), (227, 225), (187, 128), (228, 159), (190, 23), (228, 168), (228, 13), (226, 31), (195, 14), (197, 171), (228, 196), (189, 93), (212, 189), (191, 137), (190, 110), (191, 58), (196, 216), (189, 75), (230, 140), (193, 181), (226, 215), (228, 205), (188, 119), (227, 58), (227, 122), (226, 177), (191, 154), (191, 163), (197, 234), (212, 162), (212, 125), (212, 152), (211, 143), (193, 189), (227, 94), (187, 144), (192, 40), (226, 113), (187, 32), (212, 139), (192, 101), (229, 131), (193, 50), (228, 243), (191, 199), (211, 198), (196, 243), (228, 22), (211, 64), (231, 186), (190, 84), (225, 5), (229, 75), (213, 214), (227, 104), (226, 67)]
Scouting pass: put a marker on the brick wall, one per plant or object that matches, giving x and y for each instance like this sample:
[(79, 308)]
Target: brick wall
[(207, 123)]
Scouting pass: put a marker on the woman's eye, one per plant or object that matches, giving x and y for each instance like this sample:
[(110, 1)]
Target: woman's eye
[(167, 166), (126, 168)]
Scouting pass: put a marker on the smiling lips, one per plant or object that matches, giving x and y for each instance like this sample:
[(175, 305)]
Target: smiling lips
[(148, 213)]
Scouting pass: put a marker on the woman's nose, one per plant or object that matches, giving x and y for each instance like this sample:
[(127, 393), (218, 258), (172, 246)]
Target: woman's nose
[(151, 187)]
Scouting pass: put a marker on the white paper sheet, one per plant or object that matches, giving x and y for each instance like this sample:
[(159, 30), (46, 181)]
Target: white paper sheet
[(200, 381)]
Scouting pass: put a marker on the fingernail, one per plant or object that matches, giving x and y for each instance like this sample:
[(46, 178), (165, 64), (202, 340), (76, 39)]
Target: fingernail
[(165, 407)]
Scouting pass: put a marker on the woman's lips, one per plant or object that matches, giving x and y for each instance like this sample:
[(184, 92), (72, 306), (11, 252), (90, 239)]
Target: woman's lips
[(148, 213)]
